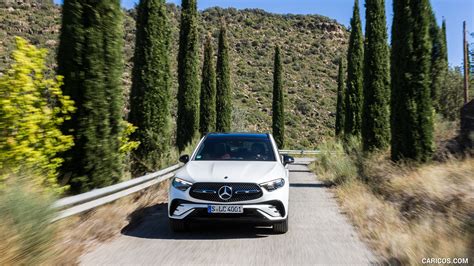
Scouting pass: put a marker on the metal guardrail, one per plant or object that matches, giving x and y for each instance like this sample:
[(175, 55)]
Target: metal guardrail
[(73, 205), (300, 152)]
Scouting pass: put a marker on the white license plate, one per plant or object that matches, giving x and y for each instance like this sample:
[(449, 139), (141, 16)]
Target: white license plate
[(225, 209)]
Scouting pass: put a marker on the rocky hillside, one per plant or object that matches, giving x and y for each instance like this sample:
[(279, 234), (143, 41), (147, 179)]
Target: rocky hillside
[(311, 46)]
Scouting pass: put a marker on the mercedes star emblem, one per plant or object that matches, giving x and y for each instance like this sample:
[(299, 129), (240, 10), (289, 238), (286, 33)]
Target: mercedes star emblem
[(225, 192)]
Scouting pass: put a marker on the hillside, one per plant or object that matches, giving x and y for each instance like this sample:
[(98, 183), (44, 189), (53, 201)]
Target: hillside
[(311, 46)]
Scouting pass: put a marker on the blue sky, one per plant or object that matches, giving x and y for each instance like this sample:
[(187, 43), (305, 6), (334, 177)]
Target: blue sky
[(454, 11)]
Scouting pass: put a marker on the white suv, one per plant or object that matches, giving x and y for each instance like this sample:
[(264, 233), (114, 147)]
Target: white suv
[(232, 177)]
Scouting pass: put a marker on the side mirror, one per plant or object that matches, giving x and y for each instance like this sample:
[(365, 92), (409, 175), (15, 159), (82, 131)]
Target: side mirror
[(184, 158), (288, 160)]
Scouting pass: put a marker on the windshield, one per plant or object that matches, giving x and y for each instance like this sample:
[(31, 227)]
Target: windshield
[(235, 149)]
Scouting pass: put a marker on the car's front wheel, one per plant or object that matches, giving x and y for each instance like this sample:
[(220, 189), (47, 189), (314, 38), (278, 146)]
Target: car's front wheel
[(177, 225), (281, 227)]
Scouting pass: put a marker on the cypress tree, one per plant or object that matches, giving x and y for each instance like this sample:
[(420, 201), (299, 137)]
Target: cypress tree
[(376, 115), (224, 90), (71, 41), (112, 27), (355, 61), (438, 66), (412, 121), (400, 108), (278, 105), (444, 47), (90, 58), (207, 118), (340, 108), (150, 94), (188, 75), (443, 68), (420, 84)]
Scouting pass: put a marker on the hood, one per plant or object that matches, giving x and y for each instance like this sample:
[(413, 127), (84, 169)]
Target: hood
[(236, 171)]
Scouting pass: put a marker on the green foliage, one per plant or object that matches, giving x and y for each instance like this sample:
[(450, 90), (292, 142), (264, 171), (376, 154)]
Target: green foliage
[(311, 46), (439, 61), (376, 113), (224, 90), (207, 118), (151, 84), (90, 58), (31, 111), (453, 97), (25, 224), (126, 144), (444, 45), (411, 105), (401, 48), (340, 107), (112, 26), (337, 163), (278, 102), (355, 64), (188, 75)]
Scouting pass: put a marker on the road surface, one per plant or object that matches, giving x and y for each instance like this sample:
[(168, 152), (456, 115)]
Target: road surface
[(318, 234)]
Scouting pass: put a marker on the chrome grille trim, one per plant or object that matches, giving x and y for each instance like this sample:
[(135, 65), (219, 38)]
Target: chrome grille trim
[(241, 191)]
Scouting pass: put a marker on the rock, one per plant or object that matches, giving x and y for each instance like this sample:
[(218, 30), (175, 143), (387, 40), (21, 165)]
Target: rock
[(51, 42)]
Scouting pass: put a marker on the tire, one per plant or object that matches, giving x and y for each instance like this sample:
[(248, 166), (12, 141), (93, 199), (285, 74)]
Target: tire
[(281, 227), (177, 225)]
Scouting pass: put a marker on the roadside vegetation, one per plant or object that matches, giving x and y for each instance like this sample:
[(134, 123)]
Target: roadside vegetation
[(399, 170), (311, 46), (403, 211)]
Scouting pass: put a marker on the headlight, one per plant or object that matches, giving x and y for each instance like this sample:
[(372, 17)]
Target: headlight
[(181, 184), (273, 185)]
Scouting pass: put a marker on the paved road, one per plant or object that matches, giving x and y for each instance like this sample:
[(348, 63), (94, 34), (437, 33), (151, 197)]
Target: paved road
[(318, 234)]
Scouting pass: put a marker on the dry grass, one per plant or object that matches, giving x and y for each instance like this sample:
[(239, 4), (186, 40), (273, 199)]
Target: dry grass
[(405, 212), (80, 233), (28, 237), (25, 228)]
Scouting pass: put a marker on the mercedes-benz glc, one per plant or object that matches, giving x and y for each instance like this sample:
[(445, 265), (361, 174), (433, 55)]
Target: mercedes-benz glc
[(238, 177)]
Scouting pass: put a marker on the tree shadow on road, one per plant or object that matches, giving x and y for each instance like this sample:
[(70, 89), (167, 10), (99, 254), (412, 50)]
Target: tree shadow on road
[(152, 223)]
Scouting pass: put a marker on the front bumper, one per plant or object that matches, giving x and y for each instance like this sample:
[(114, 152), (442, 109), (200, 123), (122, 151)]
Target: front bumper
[(260, 213), (269, 208)]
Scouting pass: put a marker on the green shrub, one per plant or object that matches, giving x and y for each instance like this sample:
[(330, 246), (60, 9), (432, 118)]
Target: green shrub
[(25, 224), (32, 108), (336, 164)]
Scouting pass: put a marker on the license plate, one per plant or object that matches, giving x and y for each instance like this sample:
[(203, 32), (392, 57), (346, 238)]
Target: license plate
[(225, 209)]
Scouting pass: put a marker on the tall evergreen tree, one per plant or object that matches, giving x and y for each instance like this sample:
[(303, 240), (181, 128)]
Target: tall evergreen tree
[(400, 108), (419, 67), (150, 94), (376, 113), (340, 108), (207, 118), (112, 26), (188, 75), (355, 62), (224, 90), (90, 58), (412, 116), (438, 64), (278, 105), (70, 63), (444, 50), (444, 69)]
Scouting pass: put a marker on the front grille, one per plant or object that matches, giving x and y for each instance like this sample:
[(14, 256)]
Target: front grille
[(240, 191)]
